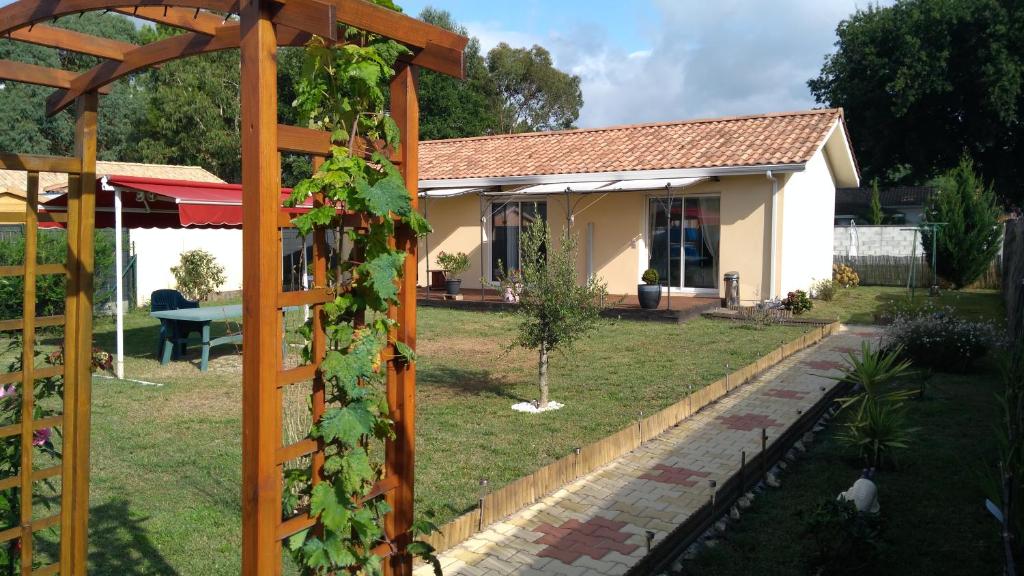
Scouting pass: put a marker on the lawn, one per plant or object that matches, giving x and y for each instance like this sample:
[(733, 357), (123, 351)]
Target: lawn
[(932, 505), (859, 305), (166, 459)]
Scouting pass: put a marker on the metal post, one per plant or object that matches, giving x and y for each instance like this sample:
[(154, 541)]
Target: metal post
[(118, 289), (764, 455), (483, 221), (426, 241), (668, 244)]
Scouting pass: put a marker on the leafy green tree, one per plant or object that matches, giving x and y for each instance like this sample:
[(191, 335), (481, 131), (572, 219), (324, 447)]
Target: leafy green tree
[(924, 80), (531, 93), (193, 114), (875, 214), (453, 108), (23, 106), (970, 237), (554, 309)]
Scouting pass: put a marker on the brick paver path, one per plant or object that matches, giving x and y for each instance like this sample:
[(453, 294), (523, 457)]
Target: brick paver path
[(597, 524)]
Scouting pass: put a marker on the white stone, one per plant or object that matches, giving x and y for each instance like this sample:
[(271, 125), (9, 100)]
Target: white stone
[(531, 408), (800, 446), (734, 514), (721, 526), (773, 481), (863, 494)]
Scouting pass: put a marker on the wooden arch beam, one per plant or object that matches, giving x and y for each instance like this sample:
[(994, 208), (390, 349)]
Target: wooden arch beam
[(183, 45), (72, 41), (311, 16), (184, 18), (40, 75)]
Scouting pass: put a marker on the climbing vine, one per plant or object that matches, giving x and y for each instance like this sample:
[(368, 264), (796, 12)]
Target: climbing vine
[(343, 90)]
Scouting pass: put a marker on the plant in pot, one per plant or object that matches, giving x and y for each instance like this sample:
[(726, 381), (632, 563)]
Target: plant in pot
[(649, 293), (453, 264)]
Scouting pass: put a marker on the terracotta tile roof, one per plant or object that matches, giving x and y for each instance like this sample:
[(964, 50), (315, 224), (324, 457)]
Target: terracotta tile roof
[(13, 181), (784, 138)]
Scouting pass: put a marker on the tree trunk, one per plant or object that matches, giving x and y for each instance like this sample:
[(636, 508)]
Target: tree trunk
[(543, 373)]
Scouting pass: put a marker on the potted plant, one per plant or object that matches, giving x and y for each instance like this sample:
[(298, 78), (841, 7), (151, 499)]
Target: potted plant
[(649, 293), (453, 264)]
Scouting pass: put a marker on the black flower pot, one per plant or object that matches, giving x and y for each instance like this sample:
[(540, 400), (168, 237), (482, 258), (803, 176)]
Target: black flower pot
[(649, 295), (452, 287)]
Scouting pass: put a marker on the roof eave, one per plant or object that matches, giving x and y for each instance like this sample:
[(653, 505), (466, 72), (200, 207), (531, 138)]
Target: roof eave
[(599, 176)]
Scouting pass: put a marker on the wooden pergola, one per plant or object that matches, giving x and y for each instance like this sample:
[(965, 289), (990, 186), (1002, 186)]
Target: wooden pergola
[(211, 25)]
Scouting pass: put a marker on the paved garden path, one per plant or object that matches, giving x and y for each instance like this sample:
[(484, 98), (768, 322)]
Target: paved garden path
[(597, 524)]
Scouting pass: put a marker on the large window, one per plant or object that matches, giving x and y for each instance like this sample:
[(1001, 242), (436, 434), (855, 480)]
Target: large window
[(684, 240), (508, 219)]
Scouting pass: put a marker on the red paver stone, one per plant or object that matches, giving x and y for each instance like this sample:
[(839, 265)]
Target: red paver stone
[(785, 393), (747, 422), (824, 364), (674, 475), (845, 349), (574, 539)]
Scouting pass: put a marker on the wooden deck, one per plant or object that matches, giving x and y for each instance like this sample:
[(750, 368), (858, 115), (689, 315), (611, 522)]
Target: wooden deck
[(679, 308)]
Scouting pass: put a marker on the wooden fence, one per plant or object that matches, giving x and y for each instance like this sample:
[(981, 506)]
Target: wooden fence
[(895, 271), (1013, 279), (530, 489)]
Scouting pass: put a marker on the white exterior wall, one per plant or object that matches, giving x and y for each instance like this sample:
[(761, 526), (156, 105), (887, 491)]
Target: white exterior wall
[(160, 249), (806, 229)]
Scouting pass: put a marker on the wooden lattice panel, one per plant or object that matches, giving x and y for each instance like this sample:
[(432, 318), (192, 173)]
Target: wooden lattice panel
[(24, 382)]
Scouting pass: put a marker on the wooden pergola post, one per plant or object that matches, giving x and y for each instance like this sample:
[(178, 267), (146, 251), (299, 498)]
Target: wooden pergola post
[(401, 390), (81, 370), (261, 188)]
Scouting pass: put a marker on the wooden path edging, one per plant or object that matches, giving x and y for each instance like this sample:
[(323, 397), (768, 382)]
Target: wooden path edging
[(530, 489)]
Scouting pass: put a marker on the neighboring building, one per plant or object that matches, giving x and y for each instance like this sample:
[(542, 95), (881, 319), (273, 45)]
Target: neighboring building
[(692, 199), (901, 205), (157, 249)]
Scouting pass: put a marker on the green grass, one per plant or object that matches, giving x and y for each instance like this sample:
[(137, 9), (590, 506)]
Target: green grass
[(932, 505), (166, 460), (859, 305)]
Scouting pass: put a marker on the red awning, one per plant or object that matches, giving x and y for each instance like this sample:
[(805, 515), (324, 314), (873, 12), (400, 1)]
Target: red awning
[(163, 203)]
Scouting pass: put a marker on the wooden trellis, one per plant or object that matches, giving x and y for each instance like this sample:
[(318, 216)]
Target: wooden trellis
[(261, 26)]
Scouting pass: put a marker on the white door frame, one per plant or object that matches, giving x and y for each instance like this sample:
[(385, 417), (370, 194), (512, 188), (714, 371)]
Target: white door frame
[(644, 251)]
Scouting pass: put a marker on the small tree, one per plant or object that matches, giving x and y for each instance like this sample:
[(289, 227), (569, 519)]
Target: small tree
[(876, 216), (198, 274), (554, 309), (970, 237)]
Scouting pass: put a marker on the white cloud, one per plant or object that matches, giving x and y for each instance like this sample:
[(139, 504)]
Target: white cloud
[(705, 59)]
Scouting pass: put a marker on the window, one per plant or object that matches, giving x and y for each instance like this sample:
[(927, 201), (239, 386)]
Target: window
[(508, 219), (684, 237)]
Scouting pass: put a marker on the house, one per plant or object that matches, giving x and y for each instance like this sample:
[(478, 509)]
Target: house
[(157, 250), (901, 205), (692, 199)]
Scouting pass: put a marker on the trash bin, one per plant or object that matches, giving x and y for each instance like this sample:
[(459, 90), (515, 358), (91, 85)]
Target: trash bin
[(732, 289)]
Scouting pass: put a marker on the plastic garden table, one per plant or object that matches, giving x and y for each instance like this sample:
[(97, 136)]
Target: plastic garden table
[(205, 316)]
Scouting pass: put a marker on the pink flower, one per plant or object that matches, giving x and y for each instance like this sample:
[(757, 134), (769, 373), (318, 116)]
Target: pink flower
[(8, 390), (41, 437)]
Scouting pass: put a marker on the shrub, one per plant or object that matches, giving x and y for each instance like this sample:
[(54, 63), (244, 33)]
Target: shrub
[(825, 289), (971, 236), (198, 274), (797, 302), (453, 264), (877, 432), (845, 276), (846, 541), (650, 276), (940, 340)]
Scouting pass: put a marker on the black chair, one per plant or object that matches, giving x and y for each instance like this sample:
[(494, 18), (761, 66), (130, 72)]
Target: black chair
[(177, 331)]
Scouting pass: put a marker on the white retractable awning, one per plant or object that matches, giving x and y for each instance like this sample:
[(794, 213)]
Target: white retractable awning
[(558, 188), (448, 192), (651, 184)]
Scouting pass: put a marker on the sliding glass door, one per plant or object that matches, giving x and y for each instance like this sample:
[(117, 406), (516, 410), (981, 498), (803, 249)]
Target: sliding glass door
[(508, 220), (684, 236)]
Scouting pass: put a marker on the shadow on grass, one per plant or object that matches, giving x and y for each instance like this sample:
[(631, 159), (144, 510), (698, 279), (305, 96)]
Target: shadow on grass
[(119, 544), (466, 381)]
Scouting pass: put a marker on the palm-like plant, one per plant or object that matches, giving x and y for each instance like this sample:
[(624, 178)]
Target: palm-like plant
[(877, 425), (870, 373)]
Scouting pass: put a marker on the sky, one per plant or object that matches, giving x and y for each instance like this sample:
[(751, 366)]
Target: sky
[(659, 60)]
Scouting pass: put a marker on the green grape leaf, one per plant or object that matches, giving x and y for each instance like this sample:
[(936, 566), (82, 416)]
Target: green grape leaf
[(346, 424)]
